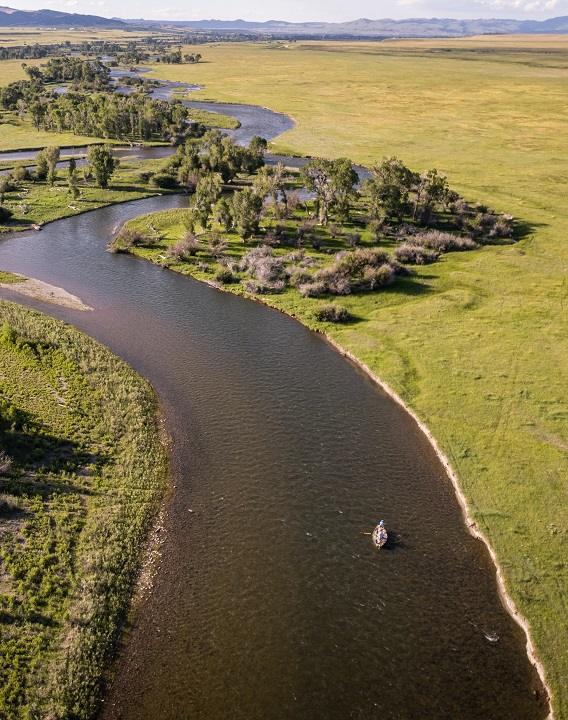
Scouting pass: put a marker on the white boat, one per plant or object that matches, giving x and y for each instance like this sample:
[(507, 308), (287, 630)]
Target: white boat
[(379, 536)]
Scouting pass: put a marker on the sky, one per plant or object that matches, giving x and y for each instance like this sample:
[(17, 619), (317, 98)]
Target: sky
[(302, 10)]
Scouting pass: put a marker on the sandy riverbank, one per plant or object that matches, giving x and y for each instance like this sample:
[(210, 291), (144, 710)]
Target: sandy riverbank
[(45, 292)]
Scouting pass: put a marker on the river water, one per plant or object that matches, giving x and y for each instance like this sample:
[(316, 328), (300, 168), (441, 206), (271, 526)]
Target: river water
[(269, 601)]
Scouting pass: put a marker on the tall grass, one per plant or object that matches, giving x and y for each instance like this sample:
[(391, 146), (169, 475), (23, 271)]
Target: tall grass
[(87, 472)]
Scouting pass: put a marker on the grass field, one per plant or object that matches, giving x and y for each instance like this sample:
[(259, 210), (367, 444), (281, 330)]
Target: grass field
[(37, 203), (85, 475), (480, 350), (45, 36)]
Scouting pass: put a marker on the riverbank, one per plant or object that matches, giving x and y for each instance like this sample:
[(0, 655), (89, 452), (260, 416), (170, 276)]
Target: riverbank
[(82, 475), (39, 290), (35, 204)]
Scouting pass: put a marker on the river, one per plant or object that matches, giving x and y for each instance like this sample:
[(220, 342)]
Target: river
[(269, 601)]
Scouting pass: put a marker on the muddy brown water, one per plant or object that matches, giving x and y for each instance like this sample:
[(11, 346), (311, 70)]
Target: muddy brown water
[(269, 602)]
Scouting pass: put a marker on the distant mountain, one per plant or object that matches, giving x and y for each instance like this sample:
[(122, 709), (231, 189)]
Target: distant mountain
[(9, 17), (364, 27)]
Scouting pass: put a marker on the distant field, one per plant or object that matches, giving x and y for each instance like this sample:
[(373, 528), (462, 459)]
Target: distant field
[(12, 70), (481, 352), (45, 36)]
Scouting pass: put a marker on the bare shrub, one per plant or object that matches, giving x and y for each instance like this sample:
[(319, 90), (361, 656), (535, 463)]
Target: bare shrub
[(415, 254), (217, 246), (502, 227), (317, 288), (382, 276), (442, 241), (128, 238), (353, 240), (298, 276), (264, 267), (185, 248)]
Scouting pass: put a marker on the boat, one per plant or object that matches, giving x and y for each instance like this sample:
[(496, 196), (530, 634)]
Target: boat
[(379, 535)]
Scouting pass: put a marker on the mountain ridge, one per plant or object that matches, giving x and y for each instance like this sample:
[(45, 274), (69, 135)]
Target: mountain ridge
[(361, 27)]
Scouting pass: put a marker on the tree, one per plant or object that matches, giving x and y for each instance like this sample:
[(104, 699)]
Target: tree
[(270, 182), (72, 179), (102, 164), (333, 182), (223, 214), (246, 207), (432, 189), (52, 155), (389, 189), (42, 167), (207, 193), (5, 186)]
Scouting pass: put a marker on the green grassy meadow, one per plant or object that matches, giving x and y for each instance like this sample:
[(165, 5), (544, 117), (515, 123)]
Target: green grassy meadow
[(85, 474), (38, 203), (480, 348)]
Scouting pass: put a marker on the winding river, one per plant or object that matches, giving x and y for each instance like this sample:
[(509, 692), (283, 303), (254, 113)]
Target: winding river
[(269, 602)]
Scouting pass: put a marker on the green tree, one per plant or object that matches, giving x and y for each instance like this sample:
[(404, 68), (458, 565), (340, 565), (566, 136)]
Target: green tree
[(246, 209), (52, 155), (73, 180), (223, 214), (5, 186), (389, 189), (333, 182), (42, 166), (432, 190), (270, 182), (102, 164), (207, 193)]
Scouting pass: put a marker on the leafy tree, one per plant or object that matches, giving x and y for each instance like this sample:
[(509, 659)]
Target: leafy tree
[(270, 182), (246, 207), (389, 189), (432, 189), (5, 186), (333, 182), (223, 214), (102, 164), (207, 193), (42, 166), (52, 155), (73, 180)]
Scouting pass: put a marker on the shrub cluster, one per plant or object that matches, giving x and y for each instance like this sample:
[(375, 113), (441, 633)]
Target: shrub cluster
[(361, 269), (332, 313), (127, 239), (267, 271), (411, 254)]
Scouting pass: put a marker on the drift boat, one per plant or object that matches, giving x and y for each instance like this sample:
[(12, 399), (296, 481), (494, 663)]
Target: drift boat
[(379, 535)]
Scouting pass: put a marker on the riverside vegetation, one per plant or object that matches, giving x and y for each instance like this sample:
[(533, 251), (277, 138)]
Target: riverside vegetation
[(249, 228), (82, 471)]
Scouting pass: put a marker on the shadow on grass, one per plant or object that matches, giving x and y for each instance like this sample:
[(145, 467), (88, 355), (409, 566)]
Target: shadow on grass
[(34, 451)]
